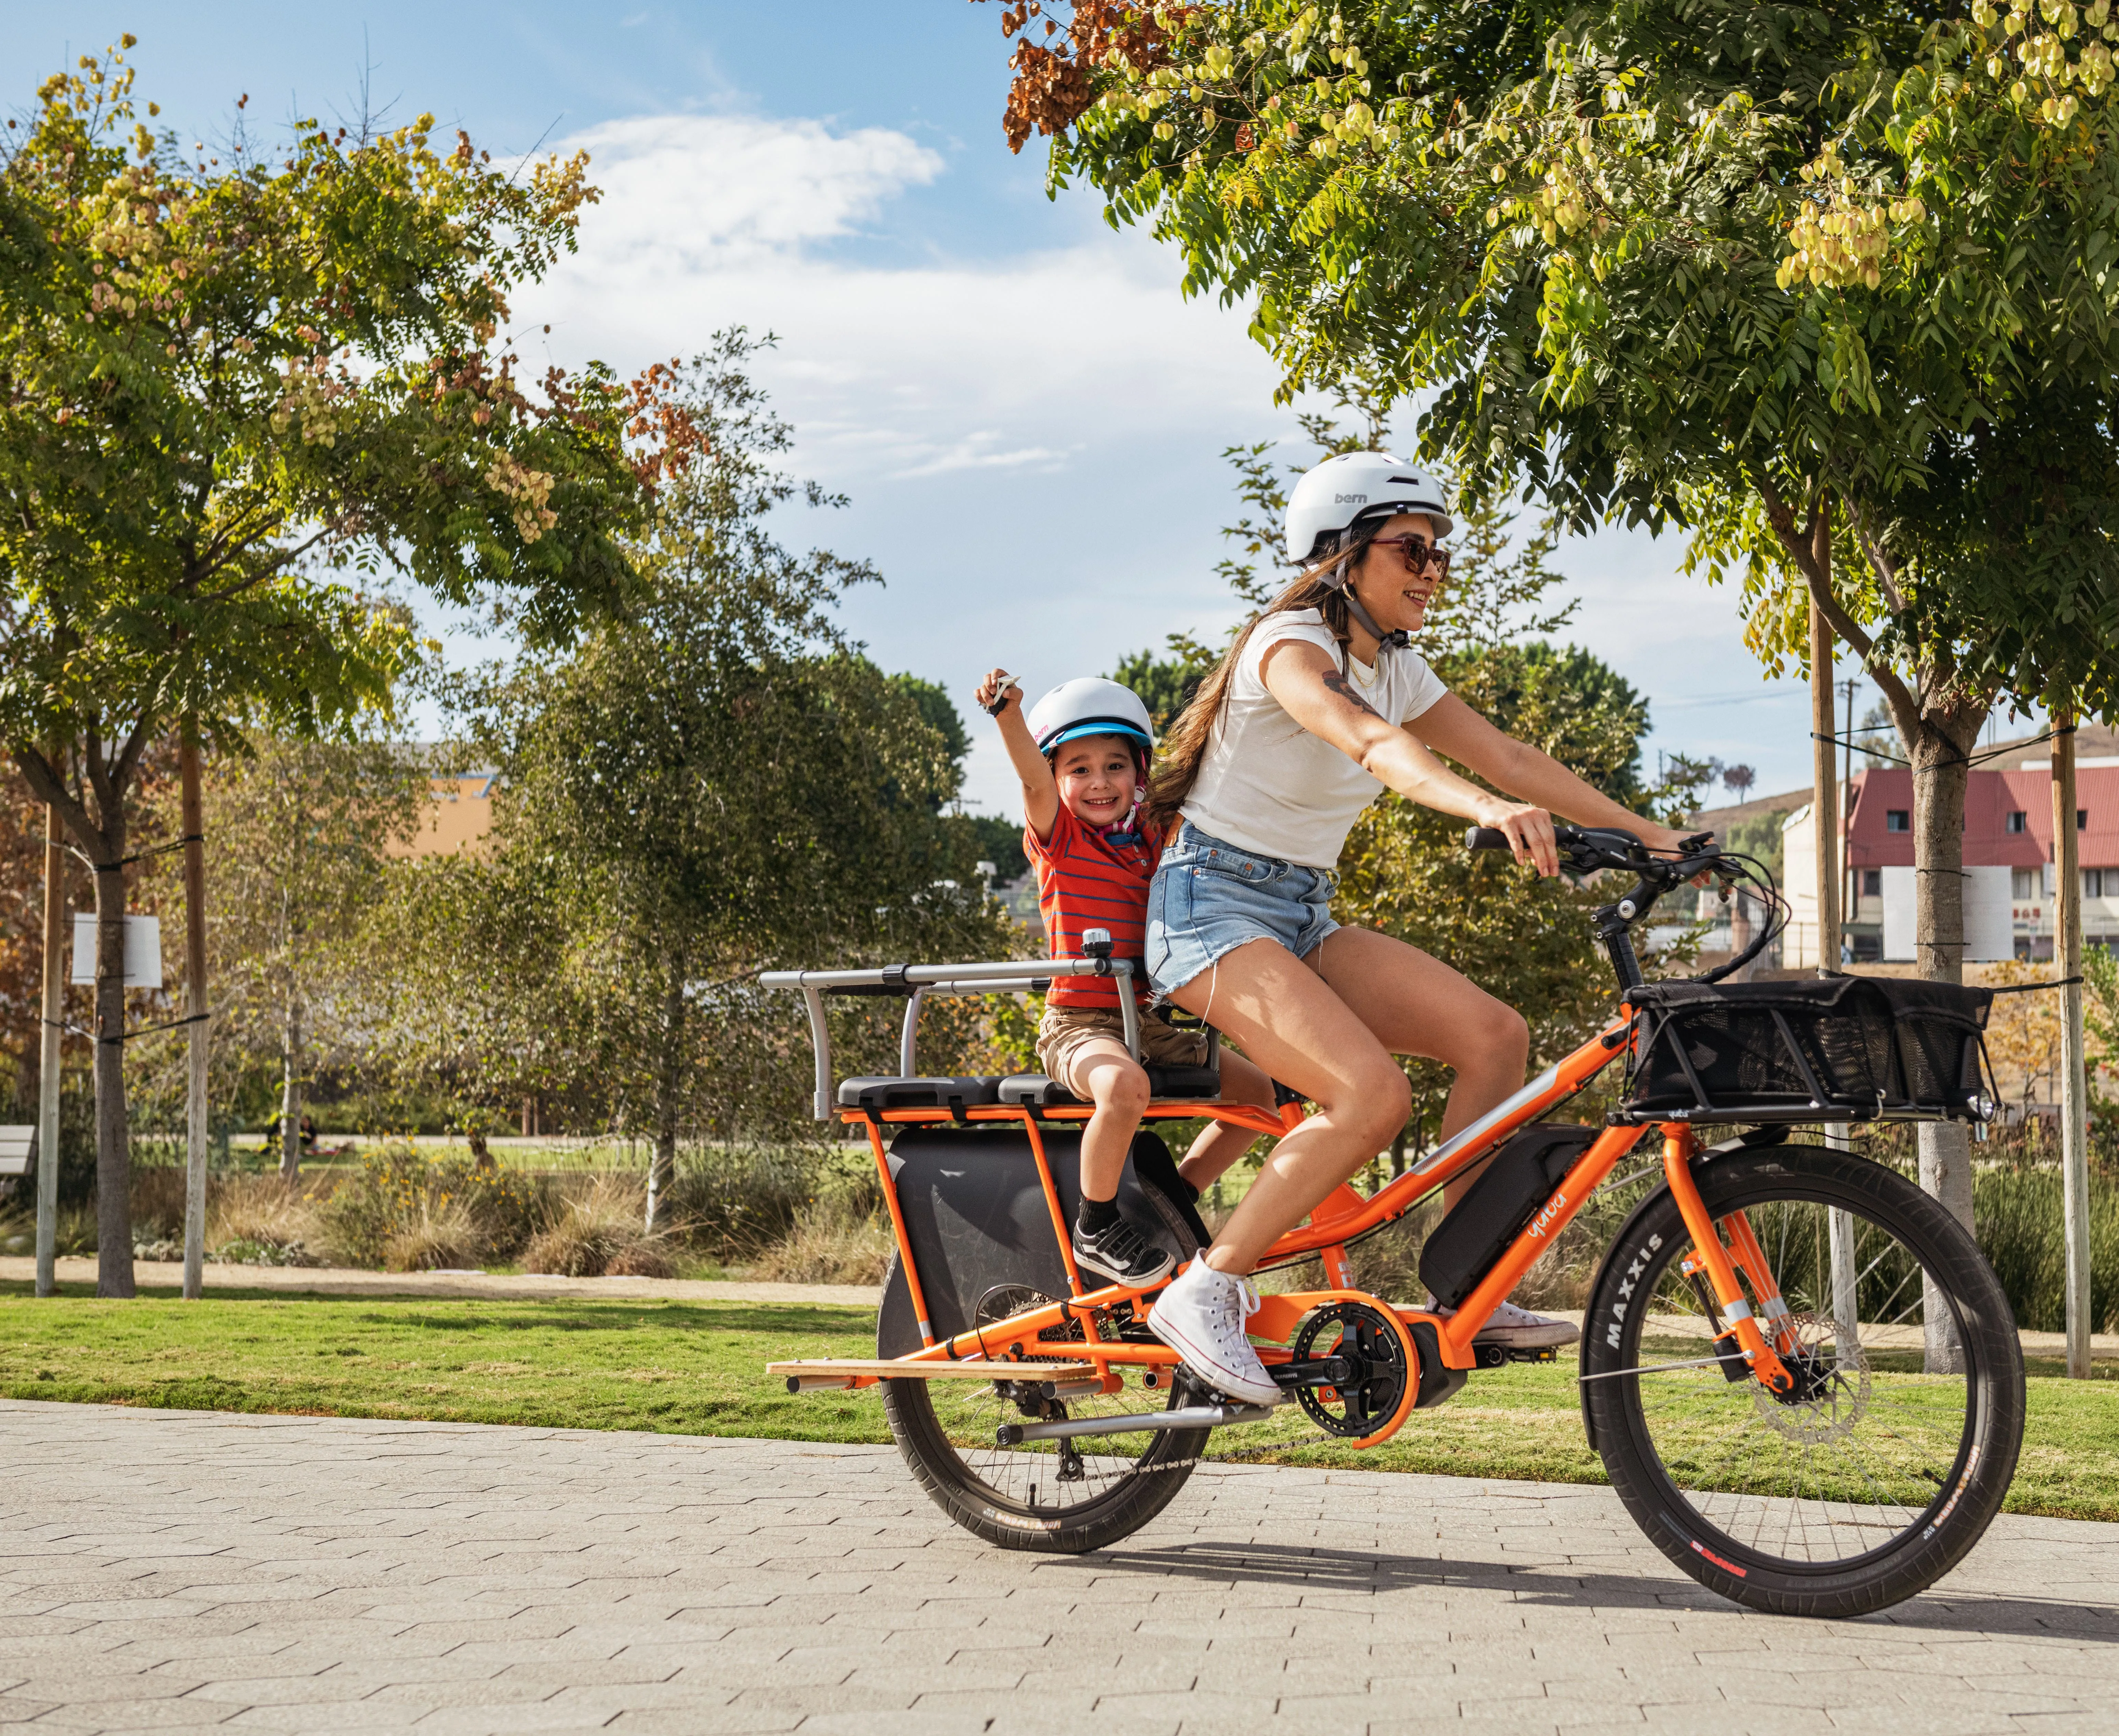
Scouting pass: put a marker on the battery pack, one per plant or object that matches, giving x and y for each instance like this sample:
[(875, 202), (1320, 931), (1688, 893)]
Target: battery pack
[(1465, 1246)]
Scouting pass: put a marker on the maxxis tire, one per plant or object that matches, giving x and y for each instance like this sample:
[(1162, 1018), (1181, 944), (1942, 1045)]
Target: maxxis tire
[(1143, 1491), (1925, 1550)]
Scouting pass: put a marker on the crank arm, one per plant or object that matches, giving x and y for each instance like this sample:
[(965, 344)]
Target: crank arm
[(1190, 1416), (1317, 1371)]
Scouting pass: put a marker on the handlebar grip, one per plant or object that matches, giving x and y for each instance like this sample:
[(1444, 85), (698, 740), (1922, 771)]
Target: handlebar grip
[(1487, 837)]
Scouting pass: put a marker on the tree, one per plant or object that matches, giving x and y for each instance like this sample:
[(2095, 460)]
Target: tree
[(717, 784), (1826, 285), (227, 376), (303, 832)]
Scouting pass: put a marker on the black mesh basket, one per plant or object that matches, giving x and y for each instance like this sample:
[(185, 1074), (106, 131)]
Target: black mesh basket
[(1840, 1048)]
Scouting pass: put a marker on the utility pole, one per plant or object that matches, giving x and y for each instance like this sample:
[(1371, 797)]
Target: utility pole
[(2074, 1094), (48, 1065), (195, 1106)]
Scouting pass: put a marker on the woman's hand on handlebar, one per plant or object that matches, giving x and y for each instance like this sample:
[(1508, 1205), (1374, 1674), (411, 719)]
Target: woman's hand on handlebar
[(1527, 829), (998, 691)]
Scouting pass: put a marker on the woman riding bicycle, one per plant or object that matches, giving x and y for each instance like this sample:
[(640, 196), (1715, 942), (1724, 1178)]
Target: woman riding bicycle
[(1293, 735)]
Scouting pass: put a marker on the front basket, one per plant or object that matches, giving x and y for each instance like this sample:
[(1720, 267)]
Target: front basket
[(1839, 1049)]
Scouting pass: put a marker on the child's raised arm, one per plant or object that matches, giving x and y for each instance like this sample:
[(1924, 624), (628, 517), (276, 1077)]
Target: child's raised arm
[(998, 695)]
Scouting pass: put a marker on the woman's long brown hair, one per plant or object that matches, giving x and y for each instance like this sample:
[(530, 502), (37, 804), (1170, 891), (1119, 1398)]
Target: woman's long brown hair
[(1181, 751)]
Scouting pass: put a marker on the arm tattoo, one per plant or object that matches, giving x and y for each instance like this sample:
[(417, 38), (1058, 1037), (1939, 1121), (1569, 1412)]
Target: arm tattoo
[(1336, 682)]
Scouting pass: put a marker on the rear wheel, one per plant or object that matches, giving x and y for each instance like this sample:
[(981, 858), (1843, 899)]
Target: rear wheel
[(1064, 1497), (1873, 1477)]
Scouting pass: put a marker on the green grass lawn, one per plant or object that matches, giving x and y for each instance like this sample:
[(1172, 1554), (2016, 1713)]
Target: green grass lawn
[(698, 1368)]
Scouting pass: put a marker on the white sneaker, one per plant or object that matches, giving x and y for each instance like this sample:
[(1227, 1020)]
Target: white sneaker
[(1201, 1316), (1516, 1328)]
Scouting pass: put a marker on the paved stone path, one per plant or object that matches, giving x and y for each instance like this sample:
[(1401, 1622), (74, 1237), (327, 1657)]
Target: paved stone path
[(160, 1570)]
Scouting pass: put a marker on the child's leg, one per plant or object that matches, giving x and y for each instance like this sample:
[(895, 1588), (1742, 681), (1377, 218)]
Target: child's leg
[(1219, 1145), (1105, 1243), (1102, 1070)]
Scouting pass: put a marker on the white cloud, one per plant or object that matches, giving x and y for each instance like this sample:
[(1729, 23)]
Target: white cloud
[(1031, 441), (687, 192)]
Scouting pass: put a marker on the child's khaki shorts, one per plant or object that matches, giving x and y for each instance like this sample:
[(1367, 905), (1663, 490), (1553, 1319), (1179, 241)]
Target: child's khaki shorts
[(1064, 1032)]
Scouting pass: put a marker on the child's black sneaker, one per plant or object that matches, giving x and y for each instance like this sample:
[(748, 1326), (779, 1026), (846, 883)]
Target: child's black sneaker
[(1121, 1252)]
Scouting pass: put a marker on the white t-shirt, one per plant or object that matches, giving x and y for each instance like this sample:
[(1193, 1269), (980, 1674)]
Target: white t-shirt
[(1266, 783)]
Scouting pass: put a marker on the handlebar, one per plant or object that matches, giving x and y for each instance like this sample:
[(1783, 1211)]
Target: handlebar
[(1583, 850)]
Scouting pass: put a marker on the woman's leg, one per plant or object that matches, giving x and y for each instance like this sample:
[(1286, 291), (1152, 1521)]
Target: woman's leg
[(1414, 1005), (1219, 1144), (1295, 1027)]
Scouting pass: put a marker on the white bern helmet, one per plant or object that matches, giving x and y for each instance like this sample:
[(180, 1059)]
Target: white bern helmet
[(1357, 485), (1091, 705)]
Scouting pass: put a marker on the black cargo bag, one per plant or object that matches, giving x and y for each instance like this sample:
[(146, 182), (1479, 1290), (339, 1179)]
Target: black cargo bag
[(1463, 1248), (975, 1212), (1840, 1048)]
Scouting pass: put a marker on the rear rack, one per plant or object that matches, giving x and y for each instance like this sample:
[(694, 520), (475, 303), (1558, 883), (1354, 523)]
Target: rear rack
[(919, 982)]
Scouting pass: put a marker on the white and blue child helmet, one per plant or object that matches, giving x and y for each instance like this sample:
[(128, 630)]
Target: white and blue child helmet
[(1092, 706)]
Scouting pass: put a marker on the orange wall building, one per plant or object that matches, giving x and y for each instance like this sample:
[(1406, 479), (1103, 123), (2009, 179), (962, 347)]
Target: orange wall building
[(457, 815)]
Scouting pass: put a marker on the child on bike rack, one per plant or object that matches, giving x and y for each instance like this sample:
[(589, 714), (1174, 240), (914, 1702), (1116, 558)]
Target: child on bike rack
[(1082, 758)]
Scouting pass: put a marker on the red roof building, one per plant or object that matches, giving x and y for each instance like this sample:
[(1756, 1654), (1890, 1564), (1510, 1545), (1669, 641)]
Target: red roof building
[(2008, 826)]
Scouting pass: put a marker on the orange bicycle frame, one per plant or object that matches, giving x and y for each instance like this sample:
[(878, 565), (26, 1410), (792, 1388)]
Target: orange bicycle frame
[(1342, 1217)]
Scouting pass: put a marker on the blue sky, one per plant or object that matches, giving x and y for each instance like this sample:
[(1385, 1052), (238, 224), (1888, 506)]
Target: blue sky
[(1025, 413)]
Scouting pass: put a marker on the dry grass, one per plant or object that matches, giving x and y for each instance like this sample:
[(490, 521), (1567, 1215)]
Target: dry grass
[(835, 1241), (438, 1238), (250, 1216), (600, 1232)]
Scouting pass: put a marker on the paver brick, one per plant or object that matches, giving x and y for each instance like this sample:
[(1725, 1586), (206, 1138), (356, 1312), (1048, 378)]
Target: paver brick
[(179, 1570)]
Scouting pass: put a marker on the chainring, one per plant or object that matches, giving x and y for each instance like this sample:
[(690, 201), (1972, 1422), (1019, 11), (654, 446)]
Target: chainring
[(1369, 1341)]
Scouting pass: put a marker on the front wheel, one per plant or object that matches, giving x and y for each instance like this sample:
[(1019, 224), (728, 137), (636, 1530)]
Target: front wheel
[(1883, 1466)]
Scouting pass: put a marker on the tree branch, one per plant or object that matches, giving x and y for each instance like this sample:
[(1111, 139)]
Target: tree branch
[(1800, 551), (49, 787)]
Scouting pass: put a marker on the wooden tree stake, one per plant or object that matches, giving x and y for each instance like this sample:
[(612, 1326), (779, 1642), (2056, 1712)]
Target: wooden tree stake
[(47, 1066), (195, 1008), (2073, 1084)]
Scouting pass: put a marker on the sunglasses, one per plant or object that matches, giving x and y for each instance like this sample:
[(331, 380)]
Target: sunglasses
[(1418, 553)]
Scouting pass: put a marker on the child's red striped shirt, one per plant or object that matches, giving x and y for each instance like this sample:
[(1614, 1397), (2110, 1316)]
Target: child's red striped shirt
[(1085, 879)]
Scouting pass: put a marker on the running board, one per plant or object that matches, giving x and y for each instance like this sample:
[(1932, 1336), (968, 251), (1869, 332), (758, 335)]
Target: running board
[(836, 1374), (1188, 1416)]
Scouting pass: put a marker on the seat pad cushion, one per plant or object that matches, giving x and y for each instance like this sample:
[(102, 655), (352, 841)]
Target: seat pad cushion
[(963, 1091)]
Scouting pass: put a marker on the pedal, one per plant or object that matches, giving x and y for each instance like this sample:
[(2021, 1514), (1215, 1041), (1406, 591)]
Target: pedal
[(1499, 1356)]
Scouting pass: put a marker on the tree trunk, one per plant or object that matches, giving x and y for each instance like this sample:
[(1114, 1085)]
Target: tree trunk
[(1940, 777), (113, 1167), (290, 1092), (100, 829), (669, 1084)]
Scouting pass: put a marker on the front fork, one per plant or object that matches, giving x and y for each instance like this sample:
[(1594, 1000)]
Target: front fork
[(1713, 1268)]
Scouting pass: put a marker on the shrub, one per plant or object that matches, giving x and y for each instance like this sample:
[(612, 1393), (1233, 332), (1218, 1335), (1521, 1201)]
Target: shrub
[(836, 1239), (443, 1236), (260, 1221), (736, 1201), (399, 1201), (601, 1231)]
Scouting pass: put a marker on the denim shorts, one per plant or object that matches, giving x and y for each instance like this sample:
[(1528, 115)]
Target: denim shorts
[(1209, 897)]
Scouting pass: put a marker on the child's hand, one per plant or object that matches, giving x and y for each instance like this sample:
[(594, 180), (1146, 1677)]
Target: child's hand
[(998, 691)]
